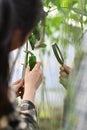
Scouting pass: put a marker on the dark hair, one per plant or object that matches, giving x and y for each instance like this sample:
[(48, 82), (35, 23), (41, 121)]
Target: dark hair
[(6, 29), (29, 12)]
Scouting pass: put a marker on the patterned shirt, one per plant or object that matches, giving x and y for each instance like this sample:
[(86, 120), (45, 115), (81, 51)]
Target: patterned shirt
[(22, 118)]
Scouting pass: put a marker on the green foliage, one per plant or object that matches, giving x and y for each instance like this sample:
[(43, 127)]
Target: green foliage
[(78, 11), (63, 23), (32, 40), (32, 61)]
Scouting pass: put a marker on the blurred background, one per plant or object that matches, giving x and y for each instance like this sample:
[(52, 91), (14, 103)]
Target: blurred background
[(63, 22)]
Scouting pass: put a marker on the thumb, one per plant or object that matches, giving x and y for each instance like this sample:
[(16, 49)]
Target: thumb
[(67, 68), (37, 66), (27, 70)]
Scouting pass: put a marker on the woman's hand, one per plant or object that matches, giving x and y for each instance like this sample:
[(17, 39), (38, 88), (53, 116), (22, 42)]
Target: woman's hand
[(64, 74), (18, 87), (32, 81)]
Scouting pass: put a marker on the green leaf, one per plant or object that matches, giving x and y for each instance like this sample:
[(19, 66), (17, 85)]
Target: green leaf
[(32, 40), (43, 45), (32, 61), (79, 11)]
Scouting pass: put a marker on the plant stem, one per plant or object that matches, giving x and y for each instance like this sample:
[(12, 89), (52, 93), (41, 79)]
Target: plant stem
[(26, 58)]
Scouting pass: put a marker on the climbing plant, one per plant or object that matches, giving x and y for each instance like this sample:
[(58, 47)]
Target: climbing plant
[(62, 22)]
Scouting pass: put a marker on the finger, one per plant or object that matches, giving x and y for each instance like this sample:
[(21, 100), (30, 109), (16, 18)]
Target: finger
[(18, 85), (18, 81), (21, 83), (62, 68), (63, 74), (27, 70), (67, 68), (37, 66)]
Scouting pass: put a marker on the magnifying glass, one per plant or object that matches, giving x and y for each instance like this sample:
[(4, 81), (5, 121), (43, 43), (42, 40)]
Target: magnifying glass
[(58, 54)]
